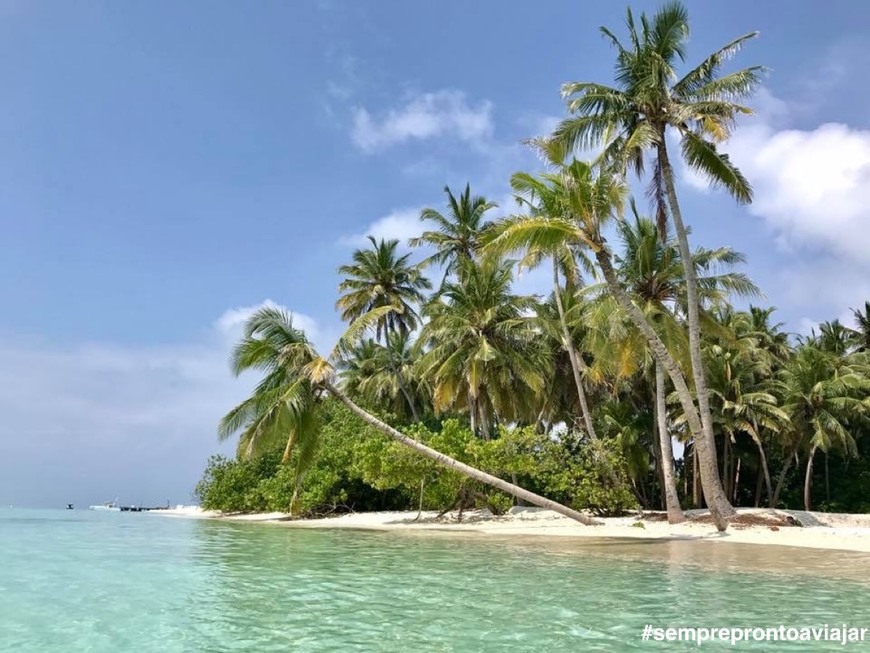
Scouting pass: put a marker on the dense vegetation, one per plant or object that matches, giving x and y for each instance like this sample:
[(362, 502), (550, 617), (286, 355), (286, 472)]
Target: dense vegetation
[(580, 396)]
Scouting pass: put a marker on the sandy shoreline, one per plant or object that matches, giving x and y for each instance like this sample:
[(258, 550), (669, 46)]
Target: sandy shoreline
[(818, 531)]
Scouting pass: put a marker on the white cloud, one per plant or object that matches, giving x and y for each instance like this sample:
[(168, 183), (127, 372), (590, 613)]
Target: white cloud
[(430, 115), (401, 225), (812, 189), (89, 421), (229, 325)]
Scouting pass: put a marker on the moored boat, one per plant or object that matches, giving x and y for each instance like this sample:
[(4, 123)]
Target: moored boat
[(108, 505)]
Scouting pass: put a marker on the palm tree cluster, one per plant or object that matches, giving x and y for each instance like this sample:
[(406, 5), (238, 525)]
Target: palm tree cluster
[(638, 342)]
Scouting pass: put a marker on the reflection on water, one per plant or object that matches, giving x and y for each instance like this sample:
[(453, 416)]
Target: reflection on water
[(144, 583)]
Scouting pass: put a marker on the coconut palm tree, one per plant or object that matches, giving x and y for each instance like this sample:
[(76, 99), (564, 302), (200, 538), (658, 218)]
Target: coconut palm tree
[(366, 373), (740, 371), (823, 395), (565, 261), (860, 335), (296, 378), (633, 118), (587, 201), (485, 355), (651, 269), (833, 337), (380, 278), (456, 237)]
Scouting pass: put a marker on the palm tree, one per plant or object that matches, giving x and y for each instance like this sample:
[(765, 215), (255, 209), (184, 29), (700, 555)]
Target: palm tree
[(286, 402), (822, 395), (565, 261), (366, 373), (587, 202), (380, 278), (860, 335), (457, 235), (740, 371), (634, 117), (771, 338), (485, 355), (833, 337)]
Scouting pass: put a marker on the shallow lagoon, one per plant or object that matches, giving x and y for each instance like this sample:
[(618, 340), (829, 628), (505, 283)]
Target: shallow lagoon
[(83, 581)]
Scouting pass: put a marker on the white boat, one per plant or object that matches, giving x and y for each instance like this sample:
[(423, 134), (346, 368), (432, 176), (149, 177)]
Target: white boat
[(109, 505)]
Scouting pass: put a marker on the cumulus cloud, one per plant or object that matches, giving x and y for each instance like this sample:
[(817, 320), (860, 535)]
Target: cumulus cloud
[(812, 189), (229, 325), (430, 115), (90, 421), (401, 225)]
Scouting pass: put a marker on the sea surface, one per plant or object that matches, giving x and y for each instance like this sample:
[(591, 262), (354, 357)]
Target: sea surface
[(115, 582)]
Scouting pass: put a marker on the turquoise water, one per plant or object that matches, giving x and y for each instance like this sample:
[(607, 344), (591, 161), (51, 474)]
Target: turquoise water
[(84, 581)]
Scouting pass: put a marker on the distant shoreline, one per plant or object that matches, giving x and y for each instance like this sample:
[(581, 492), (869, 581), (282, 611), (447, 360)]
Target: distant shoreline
[(842, 532)]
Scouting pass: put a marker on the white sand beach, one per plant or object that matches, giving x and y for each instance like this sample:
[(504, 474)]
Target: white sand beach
[(753, 526)]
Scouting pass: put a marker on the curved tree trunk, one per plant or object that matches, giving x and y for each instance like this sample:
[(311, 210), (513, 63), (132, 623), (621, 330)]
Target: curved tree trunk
[(808, 481), (452, 463), (774, 500), (288, 449), (672, 499), (576, 360), (714, 494), (763, 460), (720, 508)]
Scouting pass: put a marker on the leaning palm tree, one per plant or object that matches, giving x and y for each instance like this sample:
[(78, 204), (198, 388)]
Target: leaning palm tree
[(587, 201), (456, 237), (634, 117), (651, 267), (296, 378), (380, 278), (485, 355)]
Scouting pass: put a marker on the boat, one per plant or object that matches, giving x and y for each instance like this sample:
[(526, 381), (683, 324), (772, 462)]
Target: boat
[(108, 505)]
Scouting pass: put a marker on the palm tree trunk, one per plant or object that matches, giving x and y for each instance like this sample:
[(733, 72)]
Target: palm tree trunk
[(720, 508), (485, 425), (288, 449), (759, 483), (657, 485), (715, 494), (576, 360), (774, 500), (452, 463), (672, 499), (808, 481), (763, 459), (297, 487), (736, 482), (696, 478)]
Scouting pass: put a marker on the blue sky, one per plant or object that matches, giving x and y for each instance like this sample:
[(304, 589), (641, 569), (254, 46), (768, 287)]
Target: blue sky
[(165, 167)]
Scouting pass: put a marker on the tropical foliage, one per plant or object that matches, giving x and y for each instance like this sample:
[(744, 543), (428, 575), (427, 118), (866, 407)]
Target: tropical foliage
[(641, 380)]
